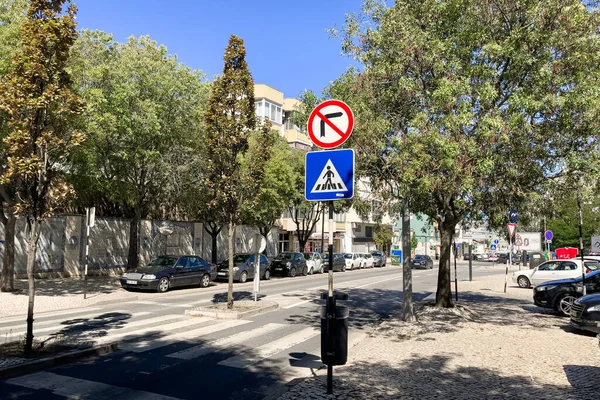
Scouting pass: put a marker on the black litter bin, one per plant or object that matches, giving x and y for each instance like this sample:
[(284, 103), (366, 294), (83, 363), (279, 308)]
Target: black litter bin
[(339, 331)]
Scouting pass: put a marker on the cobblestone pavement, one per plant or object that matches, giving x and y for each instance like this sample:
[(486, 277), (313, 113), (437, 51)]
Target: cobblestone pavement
[(491, 346)]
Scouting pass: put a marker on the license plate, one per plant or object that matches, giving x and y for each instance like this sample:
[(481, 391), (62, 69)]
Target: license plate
[(221, 273), (131, 282), (277, 269)]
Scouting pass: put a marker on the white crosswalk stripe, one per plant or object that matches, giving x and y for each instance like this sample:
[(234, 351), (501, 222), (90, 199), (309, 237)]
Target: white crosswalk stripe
[(41, 327), (74, 388), (147, 345), (270, 349), (238, 338), (49, 314)]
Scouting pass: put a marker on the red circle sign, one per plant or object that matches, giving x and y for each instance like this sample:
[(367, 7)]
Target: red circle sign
[(330, 124)]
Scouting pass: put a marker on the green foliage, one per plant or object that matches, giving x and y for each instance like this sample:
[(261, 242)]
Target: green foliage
[(265, 207), (12, 13), (144, 122), (383, 235), (565, 222), (466, 106), (413, 241)]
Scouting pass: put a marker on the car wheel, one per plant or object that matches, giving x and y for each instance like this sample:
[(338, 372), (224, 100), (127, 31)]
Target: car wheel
[(322, 269), (267, 275), (310, 271), (344, 268), (305, 271), (205, 281), (163, 285), (523, 282), (565, 303), (293, 272), (243, 277)]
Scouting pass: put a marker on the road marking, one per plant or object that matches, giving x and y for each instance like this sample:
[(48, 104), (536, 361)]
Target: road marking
[(146, 345), (49, 314), (223, 343), (270, 349), (297, 304), (155, 303), (74, 388), (373, 283), (63, 326)]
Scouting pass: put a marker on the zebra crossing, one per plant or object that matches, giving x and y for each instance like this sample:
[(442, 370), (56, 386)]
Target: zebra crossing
[(166, 342)]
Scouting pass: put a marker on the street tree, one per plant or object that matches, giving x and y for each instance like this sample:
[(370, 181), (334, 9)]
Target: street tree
[(234, 166), (266, 206), (144, 109), (38, 97), (413, 241), (12, 14), (382, 236), (466, 106)]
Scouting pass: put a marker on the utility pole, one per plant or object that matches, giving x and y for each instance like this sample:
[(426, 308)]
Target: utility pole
[(581, 239)]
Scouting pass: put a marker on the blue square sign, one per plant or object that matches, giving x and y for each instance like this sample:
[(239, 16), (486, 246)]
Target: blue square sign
[(329, 175)]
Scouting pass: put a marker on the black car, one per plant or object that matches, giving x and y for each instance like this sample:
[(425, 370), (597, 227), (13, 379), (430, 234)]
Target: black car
[(379, 257), (243, 268), (339, 262), (585, 313), (165, 272), (289, 264), (422, 262), (561, 294)]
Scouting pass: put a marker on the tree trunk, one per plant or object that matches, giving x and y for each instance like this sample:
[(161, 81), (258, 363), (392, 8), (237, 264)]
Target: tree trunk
[(133, 256), (443, 296), (214, 234), (230, 251), (34, 236), (8, 267), (407, 309)]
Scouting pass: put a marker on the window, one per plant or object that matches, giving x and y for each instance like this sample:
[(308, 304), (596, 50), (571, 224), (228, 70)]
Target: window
[(549, 266), (592, 265), (182, 262), (263, 259), (259, 108), (568, 266), (339, 217), (369, 231), (194, 262), (269, 110)]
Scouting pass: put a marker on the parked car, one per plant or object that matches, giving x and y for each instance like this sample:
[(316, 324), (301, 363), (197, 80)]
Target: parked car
[(314, 263), (339, 262), (369, 261), (466, 256), (243, 268), (166, 272), (289, 264), (552, 270), (503, 259), (493, 258), (481, 257), (353, 260), (421, 261), (561, 294), (585, 313), (379, 258)]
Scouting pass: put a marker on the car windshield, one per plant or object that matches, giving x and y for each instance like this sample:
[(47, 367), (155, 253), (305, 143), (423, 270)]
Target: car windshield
[(240, 258), (377, 253), (285, 256), (325, 256), (587, 276), (419, 257), (163, 261), (308, 256), (348, 256)]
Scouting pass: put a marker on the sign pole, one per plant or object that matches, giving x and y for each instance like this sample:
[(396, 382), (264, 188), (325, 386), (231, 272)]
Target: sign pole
[(330, 306), (89, 221), (456, 274), (257, 239), (470, 261)]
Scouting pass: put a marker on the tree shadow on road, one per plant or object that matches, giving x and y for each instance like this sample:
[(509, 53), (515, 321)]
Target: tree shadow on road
[(436, 378), (84, 332)]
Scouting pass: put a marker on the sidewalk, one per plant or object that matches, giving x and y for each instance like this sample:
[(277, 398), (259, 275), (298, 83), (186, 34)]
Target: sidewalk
[(491, 346), (65, 293)]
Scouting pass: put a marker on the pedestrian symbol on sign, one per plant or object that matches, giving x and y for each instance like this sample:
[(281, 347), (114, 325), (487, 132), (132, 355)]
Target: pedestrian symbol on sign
[(329, 181)]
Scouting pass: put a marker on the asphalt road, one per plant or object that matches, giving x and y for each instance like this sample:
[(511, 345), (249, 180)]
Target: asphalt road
[(166, 355)]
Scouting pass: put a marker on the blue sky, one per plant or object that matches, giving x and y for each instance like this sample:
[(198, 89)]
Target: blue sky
[(287, 44)]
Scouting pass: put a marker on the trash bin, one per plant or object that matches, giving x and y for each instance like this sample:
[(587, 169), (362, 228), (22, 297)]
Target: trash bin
[(339, 331), (535, 259)]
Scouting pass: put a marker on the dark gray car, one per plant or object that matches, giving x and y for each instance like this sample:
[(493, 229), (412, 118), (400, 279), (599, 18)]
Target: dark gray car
[(422, 262), (379, 257), (243, 268)]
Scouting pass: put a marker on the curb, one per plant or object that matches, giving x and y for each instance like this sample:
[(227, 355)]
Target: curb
[(204, 312), (50, 362)]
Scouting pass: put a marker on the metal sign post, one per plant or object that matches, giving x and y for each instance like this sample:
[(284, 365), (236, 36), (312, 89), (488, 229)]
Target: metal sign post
[(456, 274), (330, 304), (90, 220), (258, 245)]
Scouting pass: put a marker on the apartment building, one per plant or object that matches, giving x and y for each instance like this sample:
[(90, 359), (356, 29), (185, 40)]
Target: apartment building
[(352, 233)]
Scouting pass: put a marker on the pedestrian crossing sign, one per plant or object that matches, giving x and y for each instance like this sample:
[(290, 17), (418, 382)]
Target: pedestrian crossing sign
[(329, 175)]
